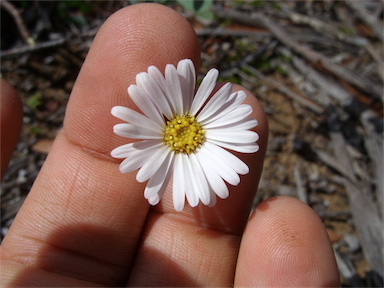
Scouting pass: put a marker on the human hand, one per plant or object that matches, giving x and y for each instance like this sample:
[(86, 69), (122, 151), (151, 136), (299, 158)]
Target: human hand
[(86, 224)]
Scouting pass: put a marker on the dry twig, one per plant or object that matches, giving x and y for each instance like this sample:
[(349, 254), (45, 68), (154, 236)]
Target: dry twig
[(364, 16), (378, 59), (38, 46), (325, 28), (259, 19), (214, 32), (318, 59), (326, 85), (19, 21), (364, 211), (299, 185), (374, 145), (347, 270), (285, 90)]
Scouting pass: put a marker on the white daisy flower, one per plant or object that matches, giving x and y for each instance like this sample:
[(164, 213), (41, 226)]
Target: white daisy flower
[(184, 138)]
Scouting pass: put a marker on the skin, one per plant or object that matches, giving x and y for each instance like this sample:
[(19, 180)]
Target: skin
[(11, 111), (86, 224)]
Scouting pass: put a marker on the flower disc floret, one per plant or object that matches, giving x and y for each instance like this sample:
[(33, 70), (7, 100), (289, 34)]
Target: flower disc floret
[(183, 134)]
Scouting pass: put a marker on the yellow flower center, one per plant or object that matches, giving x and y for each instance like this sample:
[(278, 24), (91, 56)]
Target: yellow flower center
[(183, 134)]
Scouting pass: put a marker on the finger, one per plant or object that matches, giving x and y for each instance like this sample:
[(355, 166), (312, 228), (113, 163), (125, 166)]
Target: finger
[(199, 246), (11, 113), (285, 244), (83, 218)]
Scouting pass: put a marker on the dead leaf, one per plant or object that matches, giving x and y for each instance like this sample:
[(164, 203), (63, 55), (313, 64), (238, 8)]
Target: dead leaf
[(333, 236), (42, 146)]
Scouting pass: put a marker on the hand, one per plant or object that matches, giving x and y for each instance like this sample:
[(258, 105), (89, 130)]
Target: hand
[(86, 224)]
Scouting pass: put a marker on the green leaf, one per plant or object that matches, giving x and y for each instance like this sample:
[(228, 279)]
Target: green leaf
[(232, 79), (245, 70), (34, 130), (35, 100), (257, 3), (78, 19), (282, 71), (205, 6), (61, 10), (196, 5), (85, 8), (186, 4), (207, 15)]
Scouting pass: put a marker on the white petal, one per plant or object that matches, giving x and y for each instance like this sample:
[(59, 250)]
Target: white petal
[(137, 159), (142, 100), (126, 150), (129, 165), (166, 181), (157, 180), (215, 181), (225, 171), (173, 89), (155, 73), (149, 85), (234, 101), (234, 116), (245, 124), (191, 189), (239, 166), (178, 189), (205, 89), (153, 200), (187, 76), (135, 118), (201, 181), (216, 101), (136, 132), (232, 136), (153, 164), (213, 198), (243, 148)]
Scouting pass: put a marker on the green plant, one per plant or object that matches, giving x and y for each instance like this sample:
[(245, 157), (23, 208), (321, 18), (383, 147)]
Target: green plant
[(232, 79), (245, 70), (198, 81), (264, 63), (34, 130), (280, 70), (346, 30), (74, 11), (284, 58), (201, 9), (257, 3), (276, 5), (35, 100), (238, 2), (241, 45), (227, 22)]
